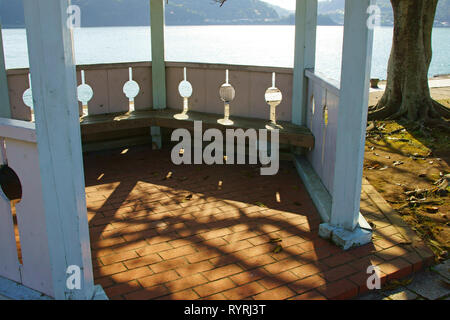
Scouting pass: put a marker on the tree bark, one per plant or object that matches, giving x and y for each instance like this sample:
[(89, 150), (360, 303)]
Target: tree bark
[(407, 92)]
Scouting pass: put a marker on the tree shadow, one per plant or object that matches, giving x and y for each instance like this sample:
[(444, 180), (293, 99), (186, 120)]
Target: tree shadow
[(229, 215)]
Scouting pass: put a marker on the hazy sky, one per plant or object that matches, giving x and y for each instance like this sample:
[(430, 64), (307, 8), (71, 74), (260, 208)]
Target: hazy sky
[(288, 4)]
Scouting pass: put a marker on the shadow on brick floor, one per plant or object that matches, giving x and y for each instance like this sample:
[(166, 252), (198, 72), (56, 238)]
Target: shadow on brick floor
[(160, 231)]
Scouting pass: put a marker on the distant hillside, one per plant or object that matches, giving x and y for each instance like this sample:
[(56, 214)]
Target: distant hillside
[(281, 11), (335, 10), (322, 19), (178, 12)]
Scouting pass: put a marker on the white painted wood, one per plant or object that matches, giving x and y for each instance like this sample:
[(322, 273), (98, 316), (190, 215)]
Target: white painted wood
[(352, 118), (17, 84), (250, 86), (36, 272), (5, 109), (18, 130), (117, 101), (158, 53), (59, 143), (304, 55), (11, 290), (205, 78), (330, 84), (158, 64), (322, 157), (143, 76), (98, 80), (9, 263)]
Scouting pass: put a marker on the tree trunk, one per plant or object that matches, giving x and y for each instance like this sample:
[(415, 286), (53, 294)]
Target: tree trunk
[(407, 92)]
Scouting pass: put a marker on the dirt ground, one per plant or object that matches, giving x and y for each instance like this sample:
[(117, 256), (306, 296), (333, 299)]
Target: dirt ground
[(409, 166)]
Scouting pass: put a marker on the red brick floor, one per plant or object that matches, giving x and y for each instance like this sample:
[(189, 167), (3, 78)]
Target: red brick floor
[(160, 231)]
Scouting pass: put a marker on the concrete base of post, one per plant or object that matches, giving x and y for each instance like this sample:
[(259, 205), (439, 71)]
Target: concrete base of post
[(346, 239), (10, 290), (99, 293)]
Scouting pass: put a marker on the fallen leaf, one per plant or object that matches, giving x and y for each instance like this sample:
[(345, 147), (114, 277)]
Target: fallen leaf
[(397, 131), (168, 176), (399, 139), (432, 209), (278, 249)]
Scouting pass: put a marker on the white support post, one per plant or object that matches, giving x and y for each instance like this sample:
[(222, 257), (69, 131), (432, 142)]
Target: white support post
[(351, 133), (158, 58), (158, 63), (304, 56), (59, 144), (5, 108)]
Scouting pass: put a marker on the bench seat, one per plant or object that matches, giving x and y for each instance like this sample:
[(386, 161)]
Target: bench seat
[(291, 134)]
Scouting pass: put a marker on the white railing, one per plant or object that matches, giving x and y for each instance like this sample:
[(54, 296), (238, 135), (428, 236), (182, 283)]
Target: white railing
[(104, 85), (322, 115), (27, 238)]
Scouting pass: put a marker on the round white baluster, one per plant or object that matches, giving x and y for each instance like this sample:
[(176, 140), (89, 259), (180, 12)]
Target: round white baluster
[(185, 89), (27, 96), (131, 89), (84, 92), (227, 95), (273, 98)]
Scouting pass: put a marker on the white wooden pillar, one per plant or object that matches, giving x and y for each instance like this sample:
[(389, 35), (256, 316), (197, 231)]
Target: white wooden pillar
[(59, 143), (158, 58), (304, 56), (352, 118), (158, 63), (5, 109)]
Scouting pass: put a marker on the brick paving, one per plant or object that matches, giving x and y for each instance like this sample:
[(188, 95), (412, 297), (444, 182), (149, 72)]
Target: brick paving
[(160, 231), (431, 284)]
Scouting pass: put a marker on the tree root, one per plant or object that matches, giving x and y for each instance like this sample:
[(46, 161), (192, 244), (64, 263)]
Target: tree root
[(437, 123), (443, 111), (398, 115), (381, 112), (436, 111)]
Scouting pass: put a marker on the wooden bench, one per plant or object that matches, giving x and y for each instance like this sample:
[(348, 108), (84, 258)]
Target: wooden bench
[(93, 124)]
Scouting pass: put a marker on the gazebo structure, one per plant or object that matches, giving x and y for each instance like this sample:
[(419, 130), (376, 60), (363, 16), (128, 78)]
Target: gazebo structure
[(324, 125)]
